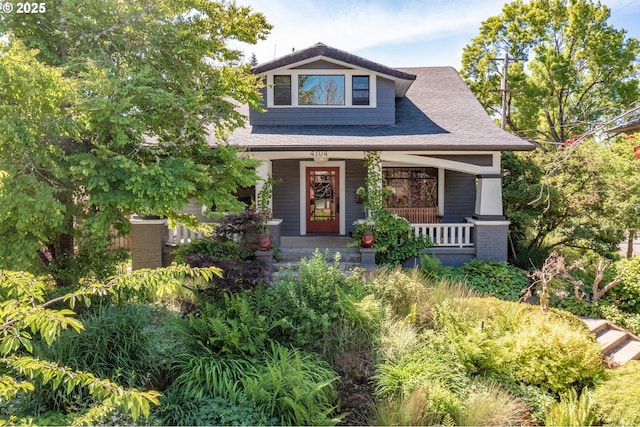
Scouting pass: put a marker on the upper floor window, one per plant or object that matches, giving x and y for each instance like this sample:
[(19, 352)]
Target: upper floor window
[(320, 90), (360, 90), (334, 88), (282, 90)]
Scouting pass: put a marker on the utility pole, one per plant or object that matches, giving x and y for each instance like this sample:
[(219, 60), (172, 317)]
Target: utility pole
[(504, 88)]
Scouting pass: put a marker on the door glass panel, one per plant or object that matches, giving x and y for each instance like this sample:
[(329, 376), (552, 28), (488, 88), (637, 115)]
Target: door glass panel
[(322, 195)]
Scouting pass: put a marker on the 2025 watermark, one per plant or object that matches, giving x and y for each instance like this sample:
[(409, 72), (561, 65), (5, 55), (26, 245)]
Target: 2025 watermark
[(22, 8)]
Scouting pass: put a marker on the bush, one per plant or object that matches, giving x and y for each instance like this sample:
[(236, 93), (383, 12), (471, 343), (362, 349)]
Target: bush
[(394, 241), (552, 350), (615, 399), (626, 295), (571, 410), (497, 279)]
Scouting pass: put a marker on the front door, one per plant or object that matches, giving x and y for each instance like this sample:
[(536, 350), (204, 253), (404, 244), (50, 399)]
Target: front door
[(323, 200)]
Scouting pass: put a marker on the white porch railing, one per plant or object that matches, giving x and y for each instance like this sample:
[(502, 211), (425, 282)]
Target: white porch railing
[(181, 235), (452, 235)]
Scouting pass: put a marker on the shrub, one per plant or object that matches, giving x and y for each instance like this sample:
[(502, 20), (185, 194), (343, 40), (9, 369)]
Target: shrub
[(404, 292), (615, 399), (497, 279), (626, 295), (630, 321), (394, 241), (571, 410), (551, 352)]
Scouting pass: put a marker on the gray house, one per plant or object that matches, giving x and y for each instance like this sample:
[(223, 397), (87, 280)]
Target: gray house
[(324, 108)]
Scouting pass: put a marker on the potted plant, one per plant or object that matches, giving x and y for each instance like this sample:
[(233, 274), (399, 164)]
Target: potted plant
[(365, 230), (263, 231)]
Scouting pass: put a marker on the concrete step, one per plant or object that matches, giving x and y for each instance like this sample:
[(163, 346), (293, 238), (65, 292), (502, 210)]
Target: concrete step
[(296, 254), (293, 266), (611, 339), (595, 325), (628, 351)]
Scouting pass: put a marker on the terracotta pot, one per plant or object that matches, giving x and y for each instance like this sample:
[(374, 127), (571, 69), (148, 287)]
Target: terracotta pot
[(367, 240), (264, 242)]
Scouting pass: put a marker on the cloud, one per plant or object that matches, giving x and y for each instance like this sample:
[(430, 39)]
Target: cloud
[(358, 24)]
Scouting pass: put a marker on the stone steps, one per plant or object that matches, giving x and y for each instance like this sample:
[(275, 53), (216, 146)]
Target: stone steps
[(618, 345), (288, 258)]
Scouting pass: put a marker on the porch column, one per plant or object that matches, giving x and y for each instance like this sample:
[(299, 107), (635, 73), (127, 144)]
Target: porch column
[(490, 231), (264, 172), (489, 197)]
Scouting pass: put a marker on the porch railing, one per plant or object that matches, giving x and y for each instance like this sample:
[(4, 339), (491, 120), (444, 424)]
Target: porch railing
[(452, 235), (181, 235), (418, 215)]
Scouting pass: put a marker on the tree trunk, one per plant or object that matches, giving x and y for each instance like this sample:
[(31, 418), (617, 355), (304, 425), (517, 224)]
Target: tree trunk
[(630, 238)]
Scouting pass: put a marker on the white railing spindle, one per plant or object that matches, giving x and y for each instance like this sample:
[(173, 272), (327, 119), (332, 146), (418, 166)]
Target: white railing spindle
[(452, 235)]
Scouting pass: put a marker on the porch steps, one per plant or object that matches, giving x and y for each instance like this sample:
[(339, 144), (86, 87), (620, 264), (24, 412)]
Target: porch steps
[(618, 345), (288, 258)]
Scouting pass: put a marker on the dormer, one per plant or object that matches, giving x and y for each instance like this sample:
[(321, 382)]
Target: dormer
[(322, 85)]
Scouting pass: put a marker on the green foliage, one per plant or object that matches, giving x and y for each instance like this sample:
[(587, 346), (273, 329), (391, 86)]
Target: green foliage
[(626, 295), (393, 237), (630, 321), (176, 409), (615, 399), (555, 85), (293, 386), (26, 316), (79, 102), (571, 410), (498, 279), (551, 350), (490, 404)]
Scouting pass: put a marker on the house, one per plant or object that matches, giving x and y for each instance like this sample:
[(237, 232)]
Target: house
[(324, 108)]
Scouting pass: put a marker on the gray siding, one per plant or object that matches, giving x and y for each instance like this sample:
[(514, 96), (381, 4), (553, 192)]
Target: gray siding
[(459, 196), (383, 114), (286, 195), (354, 177)]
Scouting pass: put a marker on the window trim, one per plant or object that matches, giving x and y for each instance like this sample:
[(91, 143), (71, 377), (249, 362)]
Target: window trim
[(348, 87)]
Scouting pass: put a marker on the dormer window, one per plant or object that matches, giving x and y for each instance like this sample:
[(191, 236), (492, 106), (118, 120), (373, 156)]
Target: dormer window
[(320, 90), (281, 90), (360, 90), (328, 88)]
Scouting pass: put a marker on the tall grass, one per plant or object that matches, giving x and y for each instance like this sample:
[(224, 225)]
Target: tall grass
[(489, 404)]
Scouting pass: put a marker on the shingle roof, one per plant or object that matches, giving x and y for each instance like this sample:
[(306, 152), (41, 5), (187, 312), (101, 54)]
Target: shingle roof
[(321, 49), (439, 112), (632, 126)]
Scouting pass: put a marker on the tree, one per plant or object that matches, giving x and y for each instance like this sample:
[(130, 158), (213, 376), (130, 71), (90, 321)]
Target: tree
[(106, 110), (575, 207), (569, 71), (571, 68)]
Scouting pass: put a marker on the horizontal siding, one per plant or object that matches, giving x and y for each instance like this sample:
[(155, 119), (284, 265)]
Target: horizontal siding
[(383, 114), (354, 178), (286, 195), (472, 159), (459, 196)]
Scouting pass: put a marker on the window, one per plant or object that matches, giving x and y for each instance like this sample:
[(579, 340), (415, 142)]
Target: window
[(281, 90), (412, 187), (360, 90), (320, 90)]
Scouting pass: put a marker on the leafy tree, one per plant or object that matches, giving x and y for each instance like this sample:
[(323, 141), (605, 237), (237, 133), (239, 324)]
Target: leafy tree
[(106, 109), (571, 67), (575, 207)]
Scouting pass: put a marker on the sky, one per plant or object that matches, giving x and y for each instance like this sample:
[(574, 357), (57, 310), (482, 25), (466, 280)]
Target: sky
[(395, 33)]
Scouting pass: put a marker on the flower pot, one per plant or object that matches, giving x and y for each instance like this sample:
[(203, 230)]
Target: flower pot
[(264, 242), (367, 240)]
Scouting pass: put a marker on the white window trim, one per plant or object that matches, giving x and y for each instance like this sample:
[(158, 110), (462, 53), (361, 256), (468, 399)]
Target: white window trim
[(303, 195), (348, 87)]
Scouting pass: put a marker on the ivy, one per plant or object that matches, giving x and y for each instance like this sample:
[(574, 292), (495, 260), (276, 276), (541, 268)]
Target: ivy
[(393, 237)]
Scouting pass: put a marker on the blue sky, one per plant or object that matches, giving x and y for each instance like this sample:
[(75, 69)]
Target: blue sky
[(396, 33)]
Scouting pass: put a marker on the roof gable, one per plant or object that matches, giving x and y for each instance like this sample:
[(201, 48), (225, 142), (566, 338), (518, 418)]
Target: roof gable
[(320, 53)]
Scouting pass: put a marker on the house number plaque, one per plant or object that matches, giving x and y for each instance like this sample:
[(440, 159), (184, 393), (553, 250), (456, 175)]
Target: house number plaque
[(319, 154)]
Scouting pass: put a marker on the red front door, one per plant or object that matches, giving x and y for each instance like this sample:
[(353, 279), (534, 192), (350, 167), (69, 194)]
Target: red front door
[(323, 207)]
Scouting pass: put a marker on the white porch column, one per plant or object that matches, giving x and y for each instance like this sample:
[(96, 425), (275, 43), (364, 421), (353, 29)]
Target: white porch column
[(489, 197), (264, 172)]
